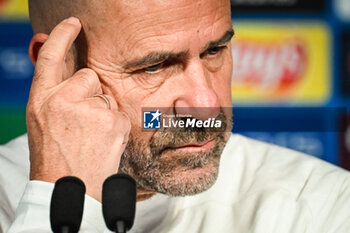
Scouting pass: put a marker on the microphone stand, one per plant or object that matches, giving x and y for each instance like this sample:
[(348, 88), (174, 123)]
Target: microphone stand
[(65, 229), (120, 227)]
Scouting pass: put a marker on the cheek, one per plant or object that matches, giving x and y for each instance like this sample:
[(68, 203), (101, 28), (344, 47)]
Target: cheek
[(132, 95), (221, 81)]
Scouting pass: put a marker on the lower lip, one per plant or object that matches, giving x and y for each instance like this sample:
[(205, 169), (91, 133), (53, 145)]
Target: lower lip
[(195, 149)]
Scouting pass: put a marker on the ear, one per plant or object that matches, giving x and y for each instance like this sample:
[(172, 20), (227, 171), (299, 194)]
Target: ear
[(35, 44)]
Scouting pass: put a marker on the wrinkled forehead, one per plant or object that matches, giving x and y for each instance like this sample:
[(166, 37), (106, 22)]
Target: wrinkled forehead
[(140, 25)]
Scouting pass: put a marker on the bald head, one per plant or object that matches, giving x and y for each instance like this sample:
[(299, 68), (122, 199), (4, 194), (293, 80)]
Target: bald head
[(46, 14)]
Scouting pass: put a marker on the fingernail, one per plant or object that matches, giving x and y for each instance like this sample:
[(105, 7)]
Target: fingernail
[(73, 20)]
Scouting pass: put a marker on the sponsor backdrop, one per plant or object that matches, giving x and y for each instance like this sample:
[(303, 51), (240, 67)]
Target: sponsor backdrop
[(281, 62), (14, 9), (288, 54), (292, 62)]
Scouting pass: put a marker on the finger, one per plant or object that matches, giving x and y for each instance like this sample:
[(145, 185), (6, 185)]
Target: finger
[(126, 126), (49, 66), (122, 124), (100, 102), (82, 85)]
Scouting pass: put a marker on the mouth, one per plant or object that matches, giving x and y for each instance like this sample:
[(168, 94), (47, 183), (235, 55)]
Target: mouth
[(193, 147)]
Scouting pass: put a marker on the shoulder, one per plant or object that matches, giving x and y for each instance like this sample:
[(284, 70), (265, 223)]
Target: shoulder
[(15, 155), (14, 173), (266, 174), (266, 185), (289, 169)]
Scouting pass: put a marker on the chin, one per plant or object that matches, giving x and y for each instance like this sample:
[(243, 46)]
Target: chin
[(175, 170), (194, 181), (190, 179)]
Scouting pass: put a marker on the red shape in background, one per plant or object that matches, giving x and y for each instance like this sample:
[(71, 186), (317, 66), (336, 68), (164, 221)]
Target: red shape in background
[(275, 67), (3, 3)]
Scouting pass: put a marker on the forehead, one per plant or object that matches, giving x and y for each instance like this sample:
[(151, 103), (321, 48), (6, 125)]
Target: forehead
[(135, 25), (170, 13)]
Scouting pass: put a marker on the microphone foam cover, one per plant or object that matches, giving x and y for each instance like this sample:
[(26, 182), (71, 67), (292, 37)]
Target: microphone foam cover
[(67, 204), (119, 200)]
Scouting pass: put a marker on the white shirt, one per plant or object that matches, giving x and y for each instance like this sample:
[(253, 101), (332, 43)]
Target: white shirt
[(261, 188)]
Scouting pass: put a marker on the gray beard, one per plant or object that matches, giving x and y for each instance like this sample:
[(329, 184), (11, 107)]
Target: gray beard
[(150, 164)]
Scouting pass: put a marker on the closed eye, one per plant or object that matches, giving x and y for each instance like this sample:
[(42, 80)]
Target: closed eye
[(213, 51), (153, 69)]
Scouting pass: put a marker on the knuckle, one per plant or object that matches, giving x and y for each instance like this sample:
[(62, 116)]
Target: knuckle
[(111, 100), (128, 125), (54, 103), (30, 110), (88, 73), (33, 106), (109, 119), (105, 122), (124, 121), (88, 78), (84, 108), (113, 104)]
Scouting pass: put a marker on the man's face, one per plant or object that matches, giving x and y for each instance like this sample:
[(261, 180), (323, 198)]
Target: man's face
[(165, 53)]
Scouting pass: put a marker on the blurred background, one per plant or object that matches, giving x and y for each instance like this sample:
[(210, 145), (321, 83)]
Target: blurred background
[(291, 78)]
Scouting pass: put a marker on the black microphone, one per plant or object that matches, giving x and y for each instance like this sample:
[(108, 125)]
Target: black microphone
[(119, 202), (67, 205)]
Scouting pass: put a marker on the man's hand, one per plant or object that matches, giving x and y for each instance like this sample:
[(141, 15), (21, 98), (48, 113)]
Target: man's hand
[(71, 132)]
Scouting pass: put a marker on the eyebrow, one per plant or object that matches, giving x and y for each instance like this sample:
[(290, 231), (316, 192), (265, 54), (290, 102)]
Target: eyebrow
[(223, 40), (154, 58)]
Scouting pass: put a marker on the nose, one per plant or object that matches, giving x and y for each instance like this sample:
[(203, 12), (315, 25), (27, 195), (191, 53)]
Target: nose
[(198, 98)]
